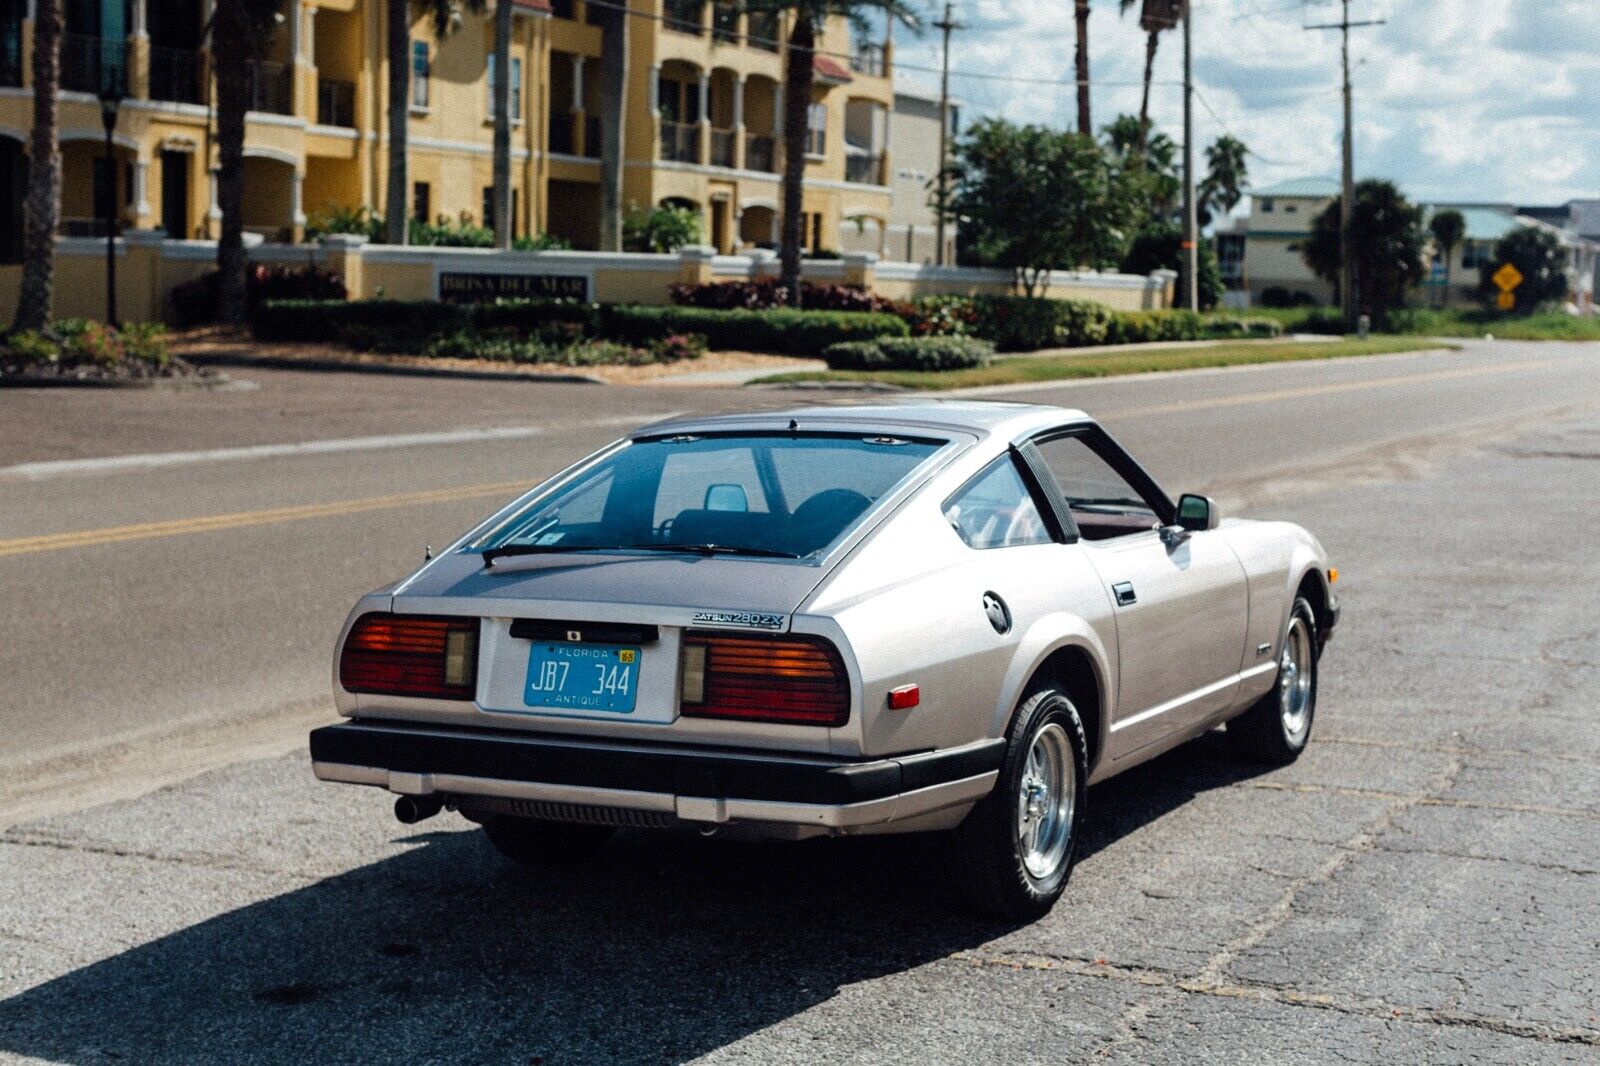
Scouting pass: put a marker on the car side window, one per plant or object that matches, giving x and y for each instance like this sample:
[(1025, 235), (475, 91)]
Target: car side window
[(996, 509), (1104, 504)]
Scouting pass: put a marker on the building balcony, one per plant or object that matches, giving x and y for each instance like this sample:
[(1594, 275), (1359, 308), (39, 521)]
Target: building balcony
[(864, 169), (680, 142), (270, 89), (762, 30), (869, 59), (686, 16), (563, 9), (175, 75), (592, 137), (724, 23), (90, 64), (563, 137), (760, 153), (722, 147), (336, 103)]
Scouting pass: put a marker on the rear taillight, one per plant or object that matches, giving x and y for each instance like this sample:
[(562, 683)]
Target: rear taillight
[(791, 679), (411, 655)]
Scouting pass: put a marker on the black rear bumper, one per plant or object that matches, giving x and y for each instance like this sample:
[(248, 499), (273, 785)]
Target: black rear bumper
[(676, 770)]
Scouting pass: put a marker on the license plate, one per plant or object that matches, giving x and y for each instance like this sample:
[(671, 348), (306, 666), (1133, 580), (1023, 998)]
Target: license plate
[(582, 677)]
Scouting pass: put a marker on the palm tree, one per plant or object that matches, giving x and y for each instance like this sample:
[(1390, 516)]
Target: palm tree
[(1152, 22), (613, 20), (1227, 177), (502, 124), (446, 15), (799, 74), (240, 32), (44, 179), (1081, 18), (1448, 227)]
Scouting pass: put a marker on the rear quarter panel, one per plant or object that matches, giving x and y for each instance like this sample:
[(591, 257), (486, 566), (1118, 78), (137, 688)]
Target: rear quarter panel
[(910, 603)]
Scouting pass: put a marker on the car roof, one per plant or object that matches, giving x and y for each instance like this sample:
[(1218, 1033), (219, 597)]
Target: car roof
[(980, 417)]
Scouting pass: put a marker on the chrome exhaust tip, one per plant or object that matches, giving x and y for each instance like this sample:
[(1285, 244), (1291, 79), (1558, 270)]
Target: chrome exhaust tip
[(412, 809)]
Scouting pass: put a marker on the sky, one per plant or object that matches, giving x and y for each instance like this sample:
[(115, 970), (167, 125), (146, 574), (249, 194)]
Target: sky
[(1465, 100)]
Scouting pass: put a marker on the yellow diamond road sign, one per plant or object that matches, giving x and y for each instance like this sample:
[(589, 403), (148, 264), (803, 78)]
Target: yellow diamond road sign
[(1506, 301), (1507, 277)]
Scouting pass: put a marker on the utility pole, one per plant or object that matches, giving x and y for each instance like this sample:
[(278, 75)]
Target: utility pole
[(1191, 216), (946, 25), (1348, 296)]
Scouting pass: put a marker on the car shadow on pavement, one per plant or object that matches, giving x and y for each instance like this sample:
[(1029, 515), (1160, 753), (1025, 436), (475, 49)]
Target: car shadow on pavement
[(667, 947)]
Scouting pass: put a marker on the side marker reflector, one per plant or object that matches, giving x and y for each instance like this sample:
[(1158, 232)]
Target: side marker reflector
[(1333, 575), (904, 698)]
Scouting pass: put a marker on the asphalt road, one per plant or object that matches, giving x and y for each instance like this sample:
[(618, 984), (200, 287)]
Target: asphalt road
[(1421, 886)]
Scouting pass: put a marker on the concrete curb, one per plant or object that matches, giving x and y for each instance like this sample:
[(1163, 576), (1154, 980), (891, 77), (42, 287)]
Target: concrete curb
[(271, 362), (213, 381)]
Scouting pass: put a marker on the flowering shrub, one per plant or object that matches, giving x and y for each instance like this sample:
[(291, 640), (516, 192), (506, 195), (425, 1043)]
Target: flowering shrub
[(769, 293), (676, 347), (79, 342)]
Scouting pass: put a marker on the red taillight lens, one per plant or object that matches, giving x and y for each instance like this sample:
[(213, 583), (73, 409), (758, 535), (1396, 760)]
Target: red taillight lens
[(795, 680), (411, 655)]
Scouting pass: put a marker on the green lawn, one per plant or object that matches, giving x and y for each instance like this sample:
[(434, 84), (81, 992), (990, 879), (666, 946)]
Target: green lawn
[(1429, 322), (1021, 370)]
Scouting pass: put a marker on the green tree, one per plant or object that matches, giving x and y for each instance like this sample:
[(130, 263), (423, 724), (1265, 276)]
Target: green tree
[(661, 229), (1538, 254), (446, 16), (1386, 246), (1149, 160), (799, 75), (44, 173), (1227, 177), (1031, 200), (1449, 228), (241, 32), (1159, 246)]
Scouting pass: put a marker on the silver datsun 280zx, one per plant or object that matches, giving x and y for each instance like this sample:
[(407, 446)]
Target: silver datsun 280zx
[(938, 616)]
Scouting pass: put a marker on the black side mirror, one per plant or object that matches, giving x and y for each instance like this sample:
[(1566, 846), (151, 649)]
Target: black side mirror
[(1197, 513)]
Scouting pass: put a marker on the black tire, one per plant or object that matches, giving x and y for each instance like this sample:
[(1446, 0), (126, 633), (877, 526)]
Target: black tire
[(1268, 732), (531, 842), (989, 849)]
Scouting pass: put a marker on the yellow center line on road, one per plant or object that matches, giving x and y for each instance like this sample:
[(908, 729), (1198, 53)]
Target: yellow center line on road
[(210, 523), (1245, 399)]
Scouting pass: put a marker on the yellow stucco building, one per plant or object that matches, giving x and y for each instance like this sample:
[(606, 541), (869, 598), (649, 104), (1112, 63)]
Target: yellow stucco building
[(702, 130)]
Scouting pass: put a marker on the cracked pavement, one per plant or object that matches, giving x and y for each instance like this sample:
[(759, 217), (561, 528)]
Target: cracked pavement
[(1422, 886)]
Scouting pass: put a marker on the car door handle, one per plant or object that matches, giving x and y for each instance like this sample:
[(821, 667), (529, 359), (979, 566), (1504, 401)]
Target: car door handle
[(1125, 594)]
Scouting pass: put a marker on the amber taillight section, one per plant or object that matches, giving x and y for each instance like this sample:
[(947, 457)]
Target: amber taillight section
[(411, 655), (795, 680)]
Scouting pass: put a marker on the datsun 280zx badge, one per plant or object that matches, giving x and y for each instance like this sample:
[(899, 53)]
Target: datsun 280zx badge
[(738, 619)]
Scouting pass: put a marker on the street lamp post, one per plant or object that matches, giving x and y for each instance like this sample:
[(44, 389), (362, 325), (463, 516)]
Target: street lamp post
[(110, 103)]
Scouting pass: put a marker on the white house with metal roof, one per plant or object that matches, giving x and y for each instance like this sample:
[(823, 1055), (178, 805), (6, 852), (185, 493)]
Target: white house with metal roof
[(1281, 217)]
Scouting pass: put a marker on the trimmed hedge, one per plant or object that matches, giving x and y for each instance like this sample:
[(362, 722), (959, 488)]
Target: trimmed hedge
[(410, 326), (781, 331), (910, 353), (1023, 324)]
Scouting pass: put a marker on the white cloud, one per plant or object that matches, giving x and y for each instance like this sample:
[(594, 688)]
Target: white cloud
[(1455, 99)]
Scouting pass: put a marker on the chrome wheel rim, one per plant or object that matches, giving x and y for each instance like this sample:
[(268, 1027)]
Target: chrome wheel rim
[(1045, 799), (1294, 680)]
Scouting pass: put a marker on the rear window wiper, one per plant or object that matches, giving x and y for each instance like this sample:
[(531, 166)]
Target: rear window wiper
[(511, 550)]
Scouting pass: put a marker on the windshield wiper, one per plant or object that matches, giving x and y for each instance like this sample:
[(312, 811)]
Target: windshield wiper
[(513, 550)]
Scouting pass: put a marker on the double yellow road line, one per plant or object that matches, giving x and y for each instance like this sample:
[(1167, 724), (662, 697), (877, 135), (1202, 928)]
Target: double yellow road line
[(89, 538)]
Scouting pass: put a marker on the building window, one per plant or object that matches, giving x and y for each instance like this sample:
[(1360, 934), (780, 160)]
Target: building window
[(516, 88), (488, 208), (419, 75), (421, 201), (817, 129), (1476, 254), (1290, 209), (1266, 207)]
